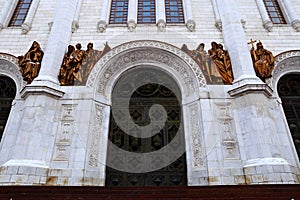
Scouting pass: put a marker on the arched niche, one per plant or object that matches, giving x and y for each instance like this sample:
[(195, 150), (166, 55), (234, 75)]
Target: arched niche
[(169, 60)]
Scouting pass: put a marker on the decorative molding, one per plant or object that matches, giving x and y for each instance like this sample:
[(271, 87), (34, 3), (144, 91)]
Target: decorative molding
[(101, 26), (161, 25), (42, 90), (131, 25), (26, 27), (10, 67), (65, 134), (296, 25), (218, 25), (191, 25), (227, 131), (75, 26), (197, 150), (284, 56), (286, 62), (96, 134), (268, 25), (153, 51), (251, 88)]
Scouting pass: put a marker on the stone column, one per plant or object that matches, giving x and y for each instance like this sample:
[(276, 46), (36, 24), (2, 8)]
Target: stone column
[(58, 41), (8, 7), (267, 23), (132, 15), (236, 43), (102, 24), (218, 23), (294, 19), (190, 22), (160, 15), (75, 24), (26, 26), (32, 141), (265, 156)]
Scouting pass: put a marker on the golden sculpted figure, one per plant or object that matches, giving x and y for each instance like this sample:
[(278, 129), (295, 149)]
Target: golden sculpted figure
[(91, 58), (77, 64), (215, 65), (263, 60), (30, 63), (65, 74)]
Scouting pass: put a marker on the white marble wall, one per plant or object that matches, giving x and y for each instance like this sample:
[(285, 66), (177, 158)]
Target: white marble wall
[(56, 135)]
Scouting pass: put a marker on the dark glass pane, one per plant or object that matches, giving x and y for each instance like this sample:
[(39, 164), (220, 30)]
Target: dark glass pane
[(146, 11), (25, 6), (20, 13), (289, 91), (274, 11), (174, 11), (140, 102), (7, 94), (118, 13)]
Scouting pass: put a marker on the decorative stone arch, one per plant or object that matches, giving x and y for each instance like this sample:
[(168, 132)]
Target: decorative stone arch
[(285, 63), (9, 67), (128, 55), (171, 60)]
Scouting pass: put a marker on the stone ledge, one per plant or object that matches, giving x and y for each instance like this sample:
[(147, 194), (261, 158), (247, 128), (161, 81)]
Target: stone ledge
[(251, 88), (41, 90)]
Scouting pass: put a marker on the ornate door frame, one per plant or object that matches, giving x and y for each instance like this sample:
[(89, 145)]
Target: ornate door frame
[(177, 65)]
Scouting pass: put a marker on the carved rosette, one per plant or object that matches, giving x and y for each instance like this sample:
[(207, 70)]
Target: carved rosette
[(268, 25), (191, 25), (131, 25), (154, 51), (96, 134), (196, 137), (101, 25), (161, 25), (296, 25), (66, 132)]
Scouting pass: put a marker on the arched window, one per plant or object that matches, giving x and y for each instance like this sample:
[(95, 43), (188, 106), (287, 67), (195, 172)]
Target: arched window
[(274, 12), (20, 13), (118, 12), (289, 92), (7, 94)]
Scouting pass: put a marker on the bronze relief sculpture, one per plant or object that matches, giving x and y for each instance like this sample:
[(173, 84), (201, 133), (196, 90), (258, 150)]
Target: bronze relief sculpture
[(77, 64), (215, 64), (263, 60), (30, 63)]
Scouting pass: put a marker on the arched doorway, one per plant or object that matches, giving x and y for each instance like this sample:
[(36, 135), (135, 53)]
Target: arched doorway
[(136, 165), (7, 95), (289, 91)]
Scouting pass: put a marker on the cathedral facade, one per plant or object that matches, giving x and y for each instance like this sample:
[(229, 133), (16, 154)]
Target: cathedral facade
[(149, 92)]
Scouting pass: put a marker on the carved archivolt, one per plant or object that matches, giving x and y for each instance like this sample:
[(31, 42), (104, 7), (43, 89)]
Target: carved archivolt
[(197, 144), (9, 67), (96, 134), (286, 62), (139, 52)]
